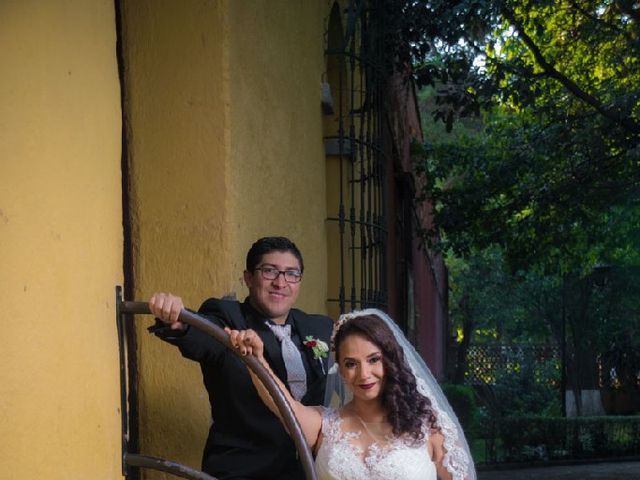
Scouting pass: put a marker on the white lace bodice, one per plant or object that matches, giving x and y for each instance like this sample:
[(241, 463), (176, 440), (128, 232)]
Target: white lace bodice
[(340, 458)]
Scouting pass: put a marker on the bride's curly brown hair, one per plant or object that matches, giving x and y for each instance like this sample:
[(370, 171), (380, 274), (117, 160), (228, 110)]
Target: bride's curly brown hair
[(407, 410)]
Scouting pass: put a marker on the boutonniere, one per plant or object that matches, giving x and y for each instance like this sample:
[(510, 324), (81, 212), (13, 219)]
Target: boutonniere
[(319, 348)]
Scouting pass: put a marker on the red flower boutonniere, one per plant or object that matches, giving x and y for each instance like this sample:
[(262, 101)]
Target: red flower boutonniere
[(319, 348)]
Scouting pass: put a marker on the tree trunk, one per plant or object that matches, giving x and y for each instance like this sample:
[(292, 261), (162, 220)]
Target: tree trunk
[(468, 326)]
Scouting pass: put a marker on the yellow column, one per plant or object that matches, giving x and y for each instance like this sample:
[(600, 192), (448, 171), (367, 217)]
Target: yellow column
[(60, 240)]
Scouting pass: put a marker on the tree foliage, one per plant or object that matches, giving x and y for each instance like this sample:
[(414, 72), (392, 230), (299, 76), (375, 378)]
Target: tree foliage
[(545, 178), (588, 315), (557, 85)]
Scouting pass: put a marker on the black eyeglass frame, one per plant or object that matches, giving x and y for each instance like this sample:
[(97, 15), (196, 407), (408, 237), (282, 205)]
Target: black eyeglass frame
[(297, 277)]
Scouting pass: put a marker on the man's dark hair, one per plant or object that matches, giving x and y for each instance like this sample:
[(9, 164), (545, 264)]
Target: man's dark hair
[(271, 244)]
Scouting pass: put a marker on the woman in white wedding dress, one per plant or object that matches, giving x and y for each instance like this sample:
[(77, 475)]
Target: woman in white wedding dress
[(396, 423)]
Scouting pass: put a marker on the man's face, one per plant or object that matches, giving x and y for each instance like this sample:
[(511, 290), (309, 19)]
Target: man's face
[(274, 298)]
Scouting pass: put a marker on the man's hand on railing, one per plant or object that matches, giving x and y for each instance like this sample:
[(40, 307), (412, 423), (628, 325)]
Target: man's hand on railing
[(166, 307)]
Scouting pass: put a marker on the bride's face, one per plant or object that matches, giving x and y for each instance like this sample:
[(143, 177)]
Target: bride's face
[(361, 367)]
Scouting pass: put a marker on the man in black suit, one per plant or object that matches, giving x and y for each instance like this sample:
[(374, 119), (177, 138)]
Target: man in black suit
[(246, 441)]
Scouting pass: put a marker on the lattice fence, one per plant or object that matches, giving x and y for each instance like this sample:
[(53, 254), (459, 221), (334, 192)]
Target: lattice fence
[(486, 362)]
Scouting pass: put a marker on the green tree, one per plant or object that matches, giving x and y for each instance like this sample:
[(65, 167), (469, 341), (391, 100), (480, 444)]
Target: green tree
[(588, 314), (550, 172), (558, 86)]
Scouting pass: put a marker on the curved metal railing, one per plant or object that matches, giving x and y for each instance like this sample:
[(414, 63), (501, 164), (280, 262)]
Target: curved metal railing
[(144, 461)]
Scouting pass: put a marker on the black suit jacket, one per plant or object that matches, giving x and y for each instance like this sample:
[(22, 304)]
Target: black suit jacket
[(246, 440)]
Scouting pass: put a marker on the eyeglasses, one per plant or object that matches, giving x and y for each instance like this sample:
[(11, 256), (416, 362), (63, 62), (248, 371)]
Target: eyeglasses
[(271, 273)]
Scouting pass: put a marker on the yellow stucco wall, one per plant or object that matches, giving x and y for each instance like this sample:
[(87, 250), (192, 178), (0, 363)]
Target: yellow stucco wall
[(277, 177), (225, 146), (60, 240), (175, 105)]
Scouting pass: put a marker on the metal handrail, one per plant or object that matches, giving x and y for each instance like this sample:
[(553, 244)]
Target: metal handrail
[(163, 465), (286, 413)]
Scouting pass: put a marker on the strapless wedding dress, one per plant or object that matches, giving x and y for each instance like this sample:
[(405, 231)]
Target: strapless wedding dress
[(340, 458)]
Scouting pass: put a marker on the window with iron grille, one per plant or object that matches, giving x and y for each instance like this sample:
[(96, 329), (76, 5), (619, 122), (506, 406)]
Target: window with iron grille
[(356, 223)]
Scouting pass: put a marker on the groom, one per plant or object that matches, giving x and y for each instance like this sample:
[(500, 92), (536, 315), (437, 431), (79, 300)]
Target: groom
[(246, 441)]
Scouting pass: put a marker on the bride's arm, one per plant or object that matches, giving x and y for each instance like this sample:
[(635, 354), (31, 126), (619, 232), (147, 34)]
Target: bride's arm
[(437, 451), (249, 343)]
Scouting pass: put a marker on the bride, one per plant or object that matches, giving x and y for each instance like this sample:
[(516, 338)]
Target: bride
[(388, 419)]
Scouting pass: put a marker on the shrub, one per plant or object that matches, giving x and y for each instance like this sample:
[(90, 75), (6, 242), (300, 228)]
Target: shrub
[(463, 402), (530, 437)]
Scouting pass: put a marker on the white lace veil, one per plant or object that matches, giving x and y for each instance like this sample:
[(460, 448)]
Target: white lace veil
[(457, 459)]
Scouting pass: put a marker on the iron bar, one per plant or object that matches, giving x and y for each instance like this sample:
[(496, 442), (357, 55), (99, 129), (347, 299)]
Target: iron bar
[(124, 417), (155, 463), (359, 59), (373, 304), (370, 227), (358, 142), (352, 140), (364, 108), (341, 81)]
